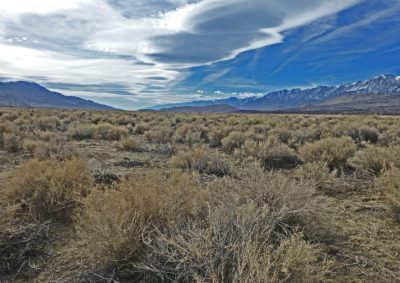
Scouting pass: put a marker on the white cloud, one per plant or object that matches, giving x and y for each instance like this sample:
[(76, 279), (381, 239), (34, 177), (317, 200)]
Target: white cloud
[(210, 30), (57, 67), (17, 7), (142, 45)]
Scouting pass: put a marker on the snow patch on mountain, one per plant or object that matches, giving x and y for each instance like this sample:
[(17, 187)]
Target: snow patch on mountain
[(382, 85)]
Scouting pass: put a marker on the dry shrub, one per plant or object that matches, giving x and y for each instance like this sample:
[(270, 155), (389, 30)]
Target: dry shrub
[(81, 131), (6, 127), (12, 143), (388, 185), (251, 233), (23, 247), (352, 132), (334, 151), (168, 149), (369, 134), (160, 135), (20, 243), (48, 124), (110, 132), (202, 161), (233, 141), (40, 149), (113, 222), (141, 128), (377, 159), (215, 138), (223, 251), (272, 154), (318, 174), (129, 144), (189, 134), (49, 189)]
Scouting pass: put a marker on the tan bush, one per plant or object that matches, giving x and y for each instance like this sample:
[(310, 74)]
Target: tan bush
[(189, 134), (141, 128), (233, 141), (249, 234), (1, 141), (37, 149), (20, 243), (272, 154), (112, 224), (202, 161), (6, 127), (160, 135), (49, 189), (12, 143), (81, 131), (129, 144), (48, 124), (369, 134), (377, 159), (110, 132), (215, 138), (388, 185), (318, 174), (334, 151)]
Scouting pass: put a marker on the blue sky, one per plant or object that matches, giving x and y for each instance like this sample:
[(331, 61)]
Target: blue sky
[(136, 53)]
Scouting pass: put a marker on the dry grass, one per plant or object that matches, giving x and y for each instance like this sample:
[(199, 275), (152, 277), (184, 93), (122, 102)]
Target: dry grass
[(202, 161), (160, 135), (129, 144), (272, 154), (21, 244), (250, 233), (49, 189), (377, 159), (388, 185), (112, 223), (180, 197), (334, 151), (233, 141), (12, 143), (82, 131), (110, 132)]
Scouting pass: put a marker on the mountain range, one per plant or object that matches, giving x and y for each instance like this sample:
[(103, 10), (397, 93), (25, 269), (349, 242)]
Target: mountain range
[(380, 94), (379, 88), (28, 94)]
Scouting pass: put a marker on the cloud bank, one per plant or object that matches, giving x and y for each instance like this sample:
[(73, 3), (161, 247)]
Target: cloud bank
[(142, 46)]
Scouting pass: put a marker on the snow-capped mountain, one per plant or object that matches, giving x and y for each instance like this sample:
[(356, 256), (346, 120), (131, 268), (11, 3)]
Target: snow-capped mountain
[(382, 85)]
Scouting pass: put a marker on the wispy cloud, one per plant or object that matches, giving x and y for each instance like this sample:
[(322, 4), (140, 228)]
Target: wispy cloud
[(141, 46)]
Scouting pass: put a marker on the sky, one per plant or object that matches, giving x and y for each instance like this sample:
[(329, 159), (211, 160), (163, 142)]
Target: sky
[(133, 54)]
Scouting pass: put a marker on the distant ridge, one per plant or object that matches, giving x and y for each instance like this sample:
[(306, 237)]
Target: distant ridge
[(383, 85), (28, 94), (221, 108)]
